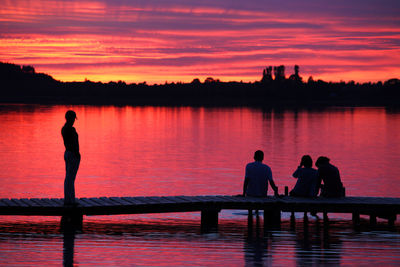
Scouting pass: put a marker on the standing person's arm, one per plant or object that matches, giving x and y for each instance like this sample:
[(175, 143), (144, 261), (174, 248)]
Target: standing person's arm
[(76, 143)]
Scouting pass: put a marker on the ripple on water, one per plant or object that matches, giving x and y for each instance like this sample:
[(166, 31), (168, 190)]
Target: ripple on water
[(164, 242)]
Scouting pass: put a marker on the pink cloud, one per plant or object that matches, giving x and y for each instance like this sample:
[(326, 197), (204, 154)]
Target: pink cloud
[(154, 41)]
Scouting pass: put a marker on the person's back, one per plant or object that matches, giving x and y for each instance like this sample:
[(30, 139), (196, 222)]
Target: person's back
[(330, 175), (307, 179), (306, 185), (257, 176)]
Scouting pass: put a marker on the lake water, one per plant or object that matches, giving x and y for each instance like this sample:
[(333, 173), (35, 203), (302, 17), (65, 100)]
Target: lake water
[(153, 151)]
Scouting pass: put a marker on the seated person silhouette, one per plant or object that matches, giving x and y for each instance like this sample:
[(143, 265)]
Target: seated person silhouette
[(257, 177), (307, 179), (329, 174)]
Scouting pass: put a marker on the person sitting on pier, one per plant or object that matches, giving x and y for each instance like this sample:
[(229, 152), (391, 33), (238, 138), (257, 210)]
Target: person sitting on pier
[(72, 157), (307, 178), (330, 175), (257, 176)]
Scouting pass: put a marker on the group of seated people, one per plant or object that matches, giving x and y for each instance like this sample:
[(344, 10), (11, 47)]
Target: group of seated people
[(309, 180)]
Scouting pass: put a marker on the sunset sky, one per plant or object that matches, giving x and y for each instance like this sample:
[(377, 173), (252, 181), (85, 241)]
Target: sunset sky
[(179, 40)]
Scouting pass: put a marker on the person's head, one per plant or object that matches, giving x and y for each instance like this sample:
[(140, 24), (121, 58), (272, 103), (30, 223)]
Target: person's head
[(70, 116), (306, 161), (258, 155), (322, 161)]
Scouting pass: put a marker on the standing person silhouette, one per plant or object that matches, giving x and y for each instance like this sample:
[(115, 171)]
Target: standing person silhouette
[(71, 156), (257, 177)]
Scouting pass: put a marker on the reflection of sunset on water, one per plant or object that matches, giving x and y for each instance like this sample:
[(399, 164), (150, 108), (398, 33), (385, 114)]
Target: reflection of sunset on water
[(152, 151), (155, 41), (160, 151)]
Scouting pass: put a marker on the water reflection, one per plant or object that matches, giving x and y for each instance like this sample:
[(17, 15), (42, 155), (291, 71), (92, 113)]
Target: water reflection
[(316, 246), (198, 150), (68, 247), (256, 245), (70, 225), (163, 242), (145, 151)]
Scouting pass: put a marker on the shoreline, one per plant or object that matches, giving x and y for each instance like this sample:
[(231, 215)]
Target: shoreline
[(24, 85)]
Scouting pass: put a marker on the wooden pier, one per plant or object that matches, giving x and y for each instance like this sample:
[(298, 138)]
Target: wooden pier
[(209, 206)]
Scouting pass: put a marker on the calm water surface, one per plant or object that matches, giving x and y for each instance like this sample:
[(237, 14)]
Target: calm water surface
[(147, 151)]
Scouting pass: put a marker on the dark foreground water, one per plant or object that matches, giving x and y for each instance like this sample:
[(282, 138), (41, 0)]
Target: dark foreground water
[(173, 242), (144, 151)]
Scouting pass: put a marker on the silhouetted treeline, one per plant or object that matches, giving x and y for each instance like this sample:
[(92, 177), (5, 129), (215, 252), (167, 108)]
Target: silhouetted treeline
[(24, 85)]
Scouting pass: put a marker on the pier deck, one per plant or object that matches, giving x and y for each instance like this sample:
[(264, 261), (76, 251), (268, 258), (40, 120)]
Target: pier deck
[(209, 206)]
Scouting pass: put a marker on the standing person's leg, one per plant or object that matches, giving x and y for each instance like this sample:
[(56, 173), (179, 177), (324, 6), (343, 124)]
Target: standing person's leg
[(71, 169), (68, 179), (74, 171)]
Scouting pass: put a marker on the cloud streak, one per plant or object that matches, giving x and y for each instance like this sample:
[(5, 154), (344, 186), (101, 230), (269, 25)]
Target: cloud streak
[(177, 40)]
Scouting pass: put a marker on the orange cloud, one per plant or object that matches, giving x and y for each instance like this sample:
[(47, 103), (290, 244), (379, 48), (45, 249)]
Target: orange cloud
[(155, 42)]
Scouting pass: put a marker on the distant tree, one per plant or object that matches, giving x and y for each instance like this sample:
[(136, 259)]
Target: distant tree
[(393, 82), (17, 85), (209, 80), (279, 73), (196, 81), (296, 77), (267, 74), (28, 69)]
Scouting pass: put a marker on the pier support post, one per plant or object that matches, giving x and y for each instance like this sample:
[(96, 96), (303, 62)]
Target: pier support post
[(209, 219), (326, 218), (72, 217), (250, 218), (272, 218), (356, 219), (372, 219), (292, 221), (391, 220), (305, 219)]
